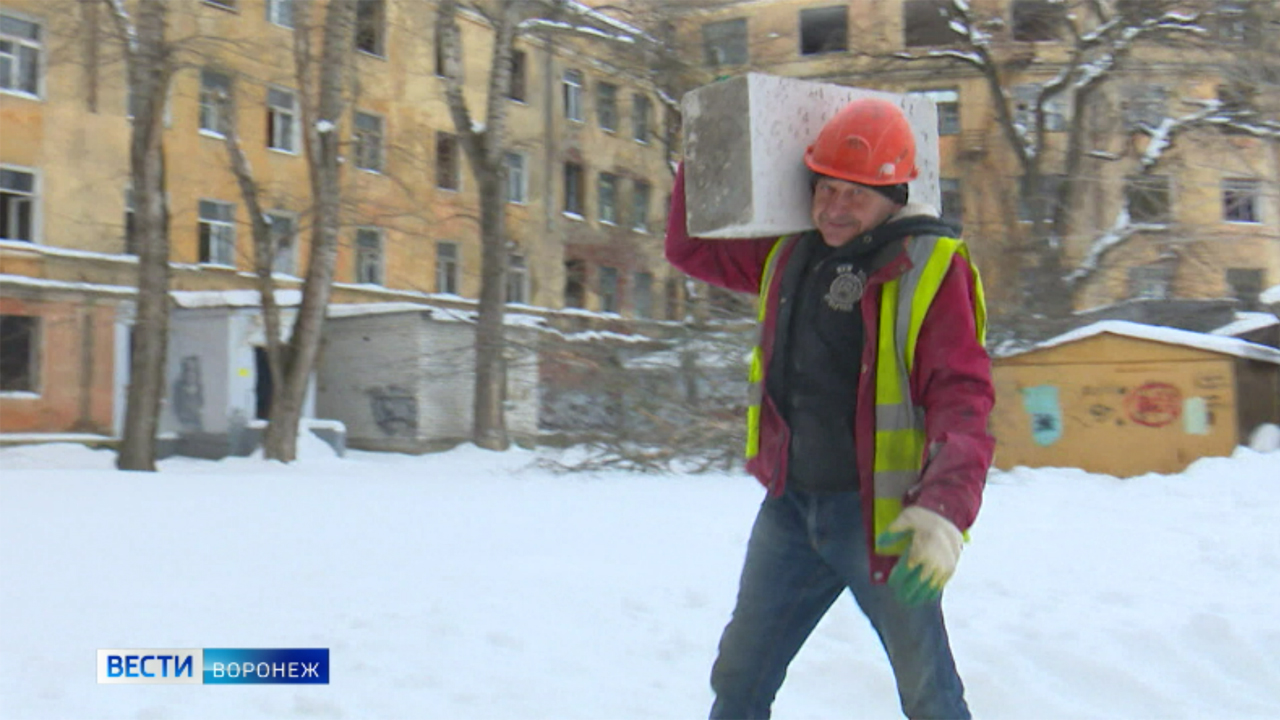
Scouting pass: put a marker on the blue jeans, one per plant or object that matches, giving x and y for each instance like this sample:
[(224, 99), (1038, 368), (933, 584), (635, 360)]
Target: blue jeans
[(805, 549)]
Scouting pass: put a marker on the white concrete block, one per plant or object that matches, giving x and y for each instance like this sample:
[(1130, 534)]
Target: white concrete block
[(744, 141)]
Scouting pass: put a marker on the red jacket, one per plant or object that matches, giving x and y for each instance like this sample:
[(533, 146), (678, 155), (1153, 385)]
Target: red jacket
[(951, 378)]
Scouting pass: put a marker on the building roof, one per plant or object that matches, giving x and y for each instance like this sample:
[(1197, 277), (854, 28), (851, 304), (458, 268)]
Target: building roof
[(1169, 336), (1247, 322)]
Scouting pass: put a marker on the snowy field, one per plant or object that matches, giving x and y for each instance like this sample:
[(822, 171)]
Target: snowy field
[(472, 585)]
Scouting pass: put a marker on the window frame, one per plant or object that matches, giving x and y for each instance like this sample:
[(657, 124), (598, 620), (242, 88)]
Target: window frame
[(285, 259), (226, 240), (572, 82), (918, 29), (517, 280), (642, 294), (609, 288), (607, 104), (1150, 282), (1235, 191), (607, 202), (1050, 183), (379, 28), (369, 256), (360, 139), (947, 102), (35, 346), (575, 283), (1150, 186), (274, 14), (957, 191), (640, 210), (448, 268), (210, 107), (517, 182), (575, 202), (31, 199), (274, 111), (641, 110), (17, 63), (519, 79)]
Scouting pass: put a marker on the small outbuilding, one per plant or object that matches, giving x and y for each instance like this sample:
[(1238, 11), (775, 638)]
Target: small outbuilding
[(1125, 399)]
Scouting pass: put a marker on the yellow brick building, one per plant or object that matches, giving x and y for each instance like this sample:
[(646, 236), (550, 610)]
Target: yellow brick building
[(589, 173)]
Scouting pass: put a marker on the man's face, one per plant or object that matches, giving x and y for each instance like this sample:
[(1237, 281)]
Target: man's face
[(842, 210)]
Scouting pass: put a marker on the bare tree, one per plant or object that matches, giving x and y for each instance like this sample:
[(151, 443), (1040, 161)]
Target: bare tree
[(485, 145), (151, 60)]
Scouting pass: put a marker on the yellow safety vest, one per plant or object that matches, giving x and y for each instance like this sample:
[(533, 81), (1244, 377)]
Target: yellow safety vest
[(904, 302)]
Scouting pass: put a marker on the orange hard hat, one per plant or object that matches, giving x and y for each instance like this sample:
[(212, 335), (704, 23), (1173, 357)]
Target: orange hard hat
[(868, 142)]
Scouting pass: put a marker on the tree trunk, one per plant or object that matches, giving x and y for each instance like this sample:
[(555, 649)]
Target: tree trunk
[(149, 73), (490, 425), (320, 126)]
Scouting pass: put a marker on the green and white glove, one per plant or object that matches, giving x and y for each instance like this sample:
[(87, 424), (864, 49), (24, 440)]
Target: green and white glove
[(933, 547)]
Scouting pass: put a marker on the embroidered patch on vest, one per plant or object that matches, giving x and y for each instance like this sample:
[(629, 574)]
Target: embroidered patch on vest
[(846, 289)]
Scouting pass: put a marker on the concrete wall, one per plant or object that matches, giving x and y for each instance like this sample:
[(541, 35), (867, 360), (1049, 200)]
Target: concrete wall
[(1114, 405), (404, 381)]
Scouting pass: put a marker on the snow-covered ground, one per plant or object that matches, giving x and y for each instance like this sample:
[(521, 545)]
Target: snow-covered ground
[(473, 585)]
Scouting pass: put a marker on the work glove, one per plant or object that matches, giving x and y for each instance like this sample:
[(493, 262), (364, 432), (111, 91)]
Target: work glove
[(933, 547)]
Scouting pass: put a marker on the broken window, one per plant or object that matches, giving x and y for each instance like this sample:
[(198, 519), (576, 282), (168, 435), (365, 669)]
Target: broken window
[(1148, 198), (19, 353), (725, 42), (824, 30), (574, 202), (575, 283), (1240, 200), (17, 205), (1037, 20), (927, 22)]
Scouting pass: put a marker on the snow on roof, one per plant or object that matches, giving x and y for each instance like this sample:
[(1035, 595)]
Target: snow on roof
[(1168, 335), (1271, 295), (344, 310), (66, 252), (7, 279), (1246, 322), (231, 298)]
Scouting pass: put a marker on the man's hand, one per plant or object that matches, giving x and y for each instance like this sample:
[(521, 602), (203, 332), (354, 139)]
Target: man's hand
[(933, 547)]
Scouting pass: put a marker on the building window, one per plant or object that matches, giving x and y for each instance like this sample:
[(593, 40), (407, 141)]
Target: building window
[(725, 43), (371, 27), (1144, 106), (280, 12), (1150, 282), (214, 88), (927, 22), (284, 236), (517, 182), (440, 58), (1148, 198), (517, 279), (640, 117), (642, 295), (574, 202), (217, 231), (225, 4), (1037, 20), (369, 256), (640, 206), (608, 196), (1245, 285), (448, 162), (19, 353), (573, 95), (17, 205), (19, 55), (1024, 108), (130, 223), (948, 104), (952, 201), (368, 141), (824, 30), (607, 105), (575, 284), (447, 268), (1240, 200), (516, 89), (282, 122), (1046, 198), (608, 289)]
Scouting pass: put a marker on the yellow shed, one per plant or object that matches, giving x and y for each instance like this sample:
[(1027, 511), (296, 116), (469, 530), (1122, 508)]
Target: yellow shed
[(1124, 399)]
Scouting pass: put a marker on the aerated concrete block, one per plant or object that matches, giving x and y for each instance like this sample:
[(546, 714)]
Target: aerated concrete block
[(744, 141)]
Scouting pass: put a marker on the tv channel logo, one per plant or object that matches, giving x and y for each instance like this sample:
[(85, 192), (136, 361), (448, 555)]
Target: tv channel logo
[(214, 666)]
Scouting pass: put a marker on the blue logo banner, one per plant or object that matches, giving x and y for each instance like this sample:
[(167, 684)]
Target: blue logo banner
[(263, 666)]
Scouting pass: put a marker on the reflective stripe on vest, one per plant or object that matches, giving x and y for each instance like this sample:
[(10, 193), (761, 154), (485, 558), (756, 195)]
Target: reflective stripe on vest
[(755, 377), (900, 429)]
